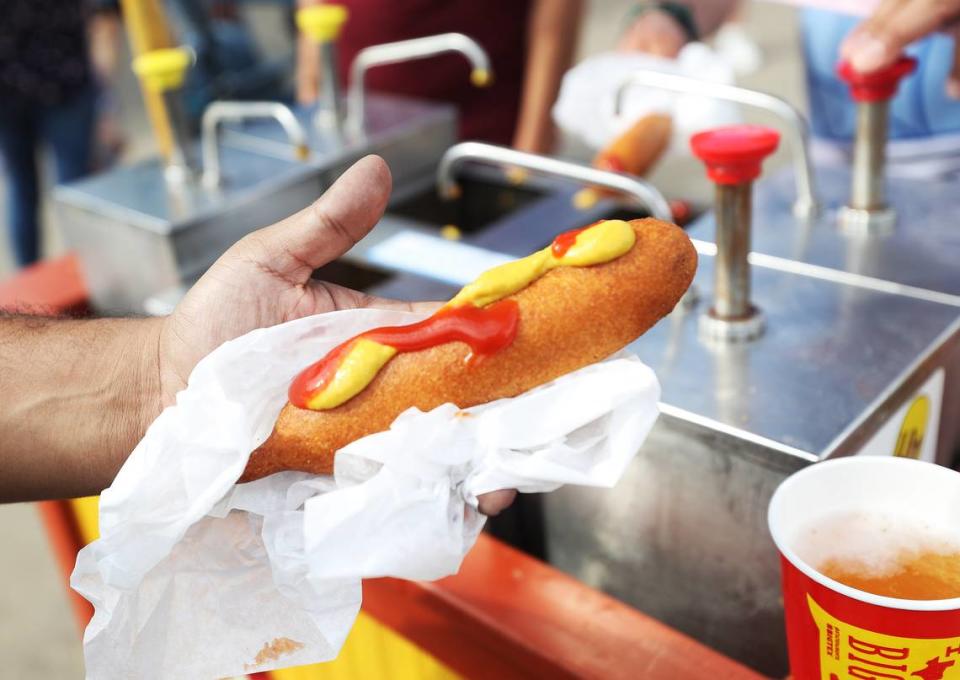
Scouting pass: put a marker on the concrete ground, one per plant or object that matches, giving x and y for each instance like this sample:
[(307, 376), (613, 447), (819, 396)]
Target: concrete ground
[(38, 636)]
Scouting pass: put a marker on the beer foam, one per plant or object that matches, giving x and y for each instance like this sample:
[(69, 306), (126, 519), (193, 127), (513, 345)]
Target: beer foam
[(874, 541)]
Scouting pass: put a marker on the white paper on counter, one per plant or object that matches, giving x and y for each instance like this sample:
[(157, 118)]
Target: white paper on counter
[(586, 107), (192, 576)]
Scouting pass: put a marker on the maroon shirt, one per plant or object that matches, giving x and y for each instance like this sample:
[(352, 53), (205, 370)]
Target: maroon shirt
[(500, 26)]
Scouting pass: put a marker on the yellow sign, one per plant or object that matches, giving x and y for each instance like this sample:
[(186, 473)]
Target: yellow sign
[(914, 427), (851, 653)]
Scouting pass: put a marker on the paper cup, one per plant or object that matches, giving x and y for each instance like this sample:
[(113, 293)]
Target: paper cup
[(835, 632)]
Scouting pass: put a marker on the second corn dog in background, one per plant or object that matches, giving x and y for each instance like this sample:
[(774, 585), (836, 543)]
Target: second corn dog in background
[(635, 151)]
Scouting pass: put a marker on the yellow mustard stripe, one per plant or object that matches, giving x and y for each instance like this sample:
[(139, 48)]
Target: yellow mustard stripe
[(603, 242), (358, 368)]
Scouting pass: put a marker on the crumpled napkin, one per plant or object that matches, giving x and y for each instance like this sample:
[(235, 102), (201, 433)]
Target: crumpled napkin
[(586, 107), (194, 576)]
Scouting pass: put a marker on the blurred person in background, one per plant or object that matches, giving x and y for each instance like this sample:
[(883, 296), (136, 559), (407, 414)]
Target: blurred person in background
[(926, 110), (229, 62), (55, 58), (530, 43)]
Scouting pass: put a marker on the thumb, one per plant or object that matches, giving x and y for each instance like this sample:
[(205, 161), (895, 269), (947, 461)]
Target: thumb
[(328, 228)]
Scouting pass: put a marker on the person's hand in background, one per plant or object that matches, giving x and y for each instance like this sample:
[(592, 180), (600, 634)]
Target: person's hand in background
[(881, 38), (654, 32), (663, 28)]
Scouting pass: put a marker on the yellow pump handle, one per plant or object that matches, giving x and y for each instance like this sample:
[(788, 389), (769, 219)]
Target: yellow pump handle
[(164, 69), (322, 23)]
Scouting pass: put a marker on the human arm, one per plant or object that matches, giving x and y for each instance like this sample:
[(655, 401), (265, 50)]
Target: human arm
[(103, 38), (77, 395), (551, 40), (307, 64)]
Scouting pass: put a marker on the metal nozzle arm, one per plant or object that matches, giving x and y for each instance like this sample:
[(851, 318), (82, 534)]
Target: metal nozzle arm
[(219, 112), (405, 50), (642, 193), (806, 203)]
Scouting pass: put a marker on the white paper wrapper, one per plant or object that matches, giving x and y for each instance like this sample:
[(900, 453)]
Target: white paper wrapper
[(192, 576), (585, 107)]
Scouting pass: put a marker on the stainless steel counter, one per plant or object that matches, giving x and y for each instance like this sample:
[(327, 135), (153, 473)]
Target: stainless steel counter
[(683, 537), (137, 236), (921, 250)]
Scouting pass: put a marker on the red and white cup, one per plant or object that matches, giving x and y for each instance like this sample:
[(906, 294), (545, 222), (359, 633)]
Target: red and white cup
[(836, 632)]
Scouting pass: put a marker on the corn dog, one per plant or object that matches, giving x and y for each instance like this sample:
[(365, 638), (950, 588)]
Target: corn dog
[(635, 151), (638, 148), (525, 323)]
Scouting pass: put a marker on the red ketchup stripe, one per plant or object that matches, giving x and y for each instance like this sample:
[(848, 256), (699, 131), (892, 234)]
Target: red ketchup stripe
[(565, 241), (315, 377), (486, 330)]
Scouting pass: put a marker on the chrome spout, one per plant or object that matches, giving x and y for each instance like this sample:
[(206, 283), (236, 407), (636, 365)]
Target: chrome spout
[(219, 112), (640, 192), (407, 50)]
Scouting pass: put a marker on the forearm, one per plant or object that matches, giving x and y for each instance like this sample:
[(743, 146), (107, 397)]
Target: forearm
[(307, 67), (75, 398), (551, 40)]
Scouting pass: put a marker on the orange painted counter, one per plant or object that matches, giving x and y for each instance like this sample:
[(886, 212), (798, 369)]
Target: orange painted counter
[(505, 615)]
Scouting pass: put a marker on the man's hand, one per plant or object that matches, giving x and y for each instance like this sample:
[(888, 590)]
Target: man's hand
[(654, 32), (264, 280), (879, 41)]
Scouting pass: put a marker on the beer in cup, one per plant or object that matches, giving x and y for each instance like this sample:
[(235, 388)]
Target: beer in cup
[(870, 556)]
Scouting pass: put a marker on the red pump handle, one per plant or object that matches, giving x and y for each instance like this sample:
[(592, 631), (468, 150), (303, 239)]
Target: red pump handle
[(733, 154), (876, 86)]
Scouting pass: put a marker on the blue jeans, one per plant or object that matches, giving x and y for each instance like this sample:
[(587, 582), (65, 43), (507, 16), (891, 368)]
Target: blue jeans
[(68, 130)]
